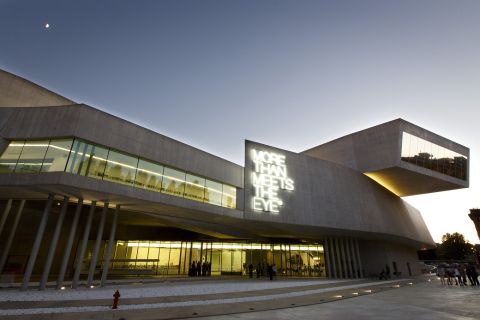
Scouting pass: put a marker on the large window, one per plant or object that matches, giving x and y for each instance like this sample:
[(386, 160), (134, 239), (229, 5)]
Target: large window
[(82, 158), (194, 187), (173, 181), (149, 175), (120, 168), (10, 156), (428, 155), (217, 258), (57, 155), (213, 192), (31, 158)]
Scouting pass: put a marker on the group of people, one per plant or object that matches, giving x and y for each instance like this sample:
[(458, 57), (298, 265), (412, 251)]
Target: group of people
[(197, 269), (260, 270), (457, 274)]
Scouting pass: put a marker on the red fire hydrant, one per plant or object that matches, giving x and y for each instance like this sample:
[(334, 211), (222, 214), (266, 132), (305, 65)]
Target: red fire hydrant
[(116, 297)]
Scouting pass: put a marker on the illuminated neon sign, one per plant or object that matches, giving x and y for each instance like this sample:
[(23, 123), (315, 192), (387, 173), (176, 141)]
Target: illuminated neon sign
[(269, 176)]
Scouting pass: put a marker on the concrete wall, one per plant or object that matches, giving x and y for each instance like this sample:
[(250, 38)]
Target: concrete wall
[(18, 92), (337, 198), (102, 128), (378, 147), (377, 255)]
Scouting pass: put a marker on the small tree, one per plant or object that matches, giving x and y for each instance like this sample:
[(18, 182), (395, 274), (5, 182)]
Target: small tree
[(454, 247)]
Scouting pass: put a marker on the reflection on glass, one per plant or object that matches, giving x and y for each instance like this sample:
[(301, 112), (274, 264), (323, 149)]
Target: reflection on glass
[(431, 156), (82, 158), (173, 181), (217, 258), (229, 198), (10, 156), (194, 187), (31, 158), (120, 168), (149, 175), (77, 159), (97, 162), (57, 155), (213, 192)]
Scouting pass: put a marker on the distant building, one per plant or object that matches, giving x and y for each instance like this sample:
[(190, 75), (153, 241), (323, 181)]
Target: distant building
[(85, 194)]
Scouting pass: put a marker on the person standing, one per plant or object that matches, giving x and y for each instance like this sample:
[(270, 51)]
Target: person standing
[(250, 270)]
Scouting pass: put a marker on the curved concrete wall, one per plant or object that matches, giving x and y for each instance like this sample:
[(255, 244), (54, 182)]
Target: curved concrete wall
[(102, 128), (330, 195)]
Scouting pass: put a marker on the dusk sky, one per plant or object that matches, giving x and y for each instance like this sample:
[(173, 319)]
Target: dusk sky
[(291, 74)]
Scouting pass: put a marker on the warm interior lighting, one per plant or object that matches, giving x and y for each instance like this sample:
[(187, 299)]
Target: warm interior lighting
[(219, 245), (378, 178)]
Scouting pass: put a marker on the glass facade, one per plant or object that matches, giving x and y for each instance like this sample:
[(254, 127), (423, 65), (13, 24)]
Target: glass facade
[(227, 258), (82, 158), (434, 157)]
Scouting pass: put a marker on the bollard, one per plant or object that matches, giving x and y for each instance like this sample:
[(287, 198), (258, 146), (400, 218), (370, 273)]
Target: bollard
[(116, 297)]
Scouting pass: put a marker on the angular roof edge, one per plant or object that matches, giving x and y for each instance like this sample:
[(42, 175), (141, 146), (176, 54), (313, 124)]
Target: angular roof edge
[(16, 91)]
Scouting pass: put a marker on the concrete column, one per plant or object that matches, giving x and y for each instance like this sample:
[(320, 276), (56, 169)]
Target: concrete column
[(339, 260), (331, 250), (179, 258), (83, 246), (349, 258), (53, 245), (11, 236), (354, 258), (111, 239), (5, 214), (96, 249), (68, 247), (37, 243), (328, 265), (359, 259), (344, 260)]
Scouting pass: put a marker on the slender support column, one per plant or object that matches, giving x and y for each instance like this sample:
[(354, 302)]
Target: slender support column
[(354, 258), (53, 245), (5, 214), (180, 258), (11, 236), (96, 249), (83, 246), (326, 251), (68, 247), (37, 243), (359, 259), (190, 256), (111, 239), (339, 259), (332, 257), (349, 258), (344, 262)]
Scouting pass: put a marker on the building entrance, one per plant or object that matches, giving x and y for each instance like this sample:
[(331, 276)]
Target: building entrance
[(166, 258)]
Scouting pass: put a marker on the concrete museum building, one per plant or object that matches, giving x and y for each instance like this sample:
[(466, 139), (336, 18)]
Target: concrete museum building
[(85, 194)]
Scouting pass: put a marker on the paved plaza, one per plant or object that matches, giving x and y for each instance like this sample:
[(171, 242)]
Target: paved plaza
[(420, 298), (423, 301)]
